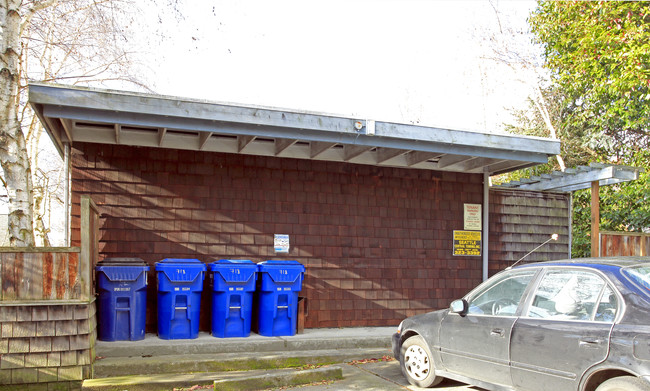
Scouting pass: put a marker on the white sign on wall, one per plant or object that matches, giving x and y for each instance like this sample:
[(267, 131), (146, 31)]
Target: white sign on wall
[(473, 217), (281, 243)]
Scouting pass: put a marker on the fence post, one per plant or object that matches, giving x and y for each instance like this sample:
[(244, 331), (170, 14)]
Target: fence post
[(595, 219), (89, 246)]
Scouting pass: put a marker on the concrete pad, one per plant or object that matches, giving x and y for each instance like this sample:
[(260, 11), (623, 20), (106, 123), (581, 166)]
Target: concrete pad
[(169, 364), (311, 339), (180, 363)]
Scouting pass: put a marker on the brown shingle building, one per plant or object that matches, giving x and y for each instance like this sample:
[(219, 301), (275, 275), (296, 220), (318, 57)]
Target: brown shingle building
[(370, 207)]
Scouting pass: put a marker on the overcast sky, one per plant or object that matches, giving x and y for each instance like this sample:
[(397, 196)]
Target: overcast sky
[(413, 61)]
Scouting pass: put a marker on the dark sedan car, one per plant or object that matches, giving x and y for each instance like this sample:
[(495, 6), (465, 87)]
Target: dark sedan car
[(581, 324)]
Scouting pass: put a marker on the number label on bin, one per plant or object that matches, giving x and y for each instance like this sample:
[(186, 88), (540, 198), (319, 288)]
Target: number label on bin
[(235, 271), (283, 271), (180, 271)]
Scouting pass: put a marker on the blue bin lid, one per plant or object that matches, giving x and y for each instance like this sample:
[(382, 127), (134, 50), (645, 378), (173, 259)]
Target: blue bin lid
[(122, 262), (236, 263), (235, 270), (282, 271), (181, 269), (122, 269), (281, 263), (228, 261), (184, 261)]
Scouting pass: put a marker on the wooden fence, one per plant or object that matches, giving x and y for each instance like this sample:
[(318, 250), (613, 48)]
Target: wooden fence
[(47, 311), (39, 274), (52, 273), (89, 244), (624, 243)]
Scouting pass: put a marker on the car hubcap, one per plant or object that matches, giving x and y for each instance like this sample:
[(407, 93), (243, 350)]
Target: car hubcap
[(416, 362)]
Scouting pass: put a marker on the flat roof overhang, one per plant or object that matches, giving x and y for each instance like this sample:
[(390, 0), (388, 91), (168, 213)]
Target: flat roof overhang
[(76, 114)]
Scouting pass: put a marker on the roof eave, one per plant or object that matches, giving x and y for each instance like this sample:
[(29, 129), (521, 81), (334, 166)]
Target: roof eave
[(58, 106)]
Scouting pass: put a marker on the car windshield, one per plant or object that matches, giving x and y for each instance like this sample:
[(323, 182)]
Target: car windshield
[(639, 274)]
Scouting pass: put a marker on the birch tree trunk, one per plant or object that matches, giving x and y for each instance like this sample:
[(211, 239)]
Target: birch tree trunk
[(75, 41), (13, 150)]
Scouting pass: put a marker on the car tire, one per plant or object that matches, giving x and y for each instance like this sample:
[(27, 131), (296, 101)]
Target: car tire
[(416, 362), (624, 383)]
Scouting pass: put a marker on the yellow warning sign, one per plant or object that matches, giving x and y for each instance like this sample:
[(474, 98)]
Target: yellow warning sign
[(467, 243)]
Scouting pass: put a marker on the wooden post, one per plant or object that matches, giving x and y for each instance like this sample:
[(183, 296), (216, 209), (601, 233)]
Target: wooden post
[(595, 219), (89, 246)]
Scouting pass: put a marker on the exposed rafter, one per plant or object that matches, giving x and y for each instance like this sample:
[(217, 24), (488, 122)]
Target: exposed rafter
[(415, 157), (243, 142), (203, 139), (281, 145), (118, 129), (384, 154), (161, 136), (353, 151), (317, 148)]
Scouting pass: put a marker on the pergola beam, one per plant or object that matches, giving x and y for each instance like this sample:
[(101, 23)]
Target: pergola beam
[(583, 177)]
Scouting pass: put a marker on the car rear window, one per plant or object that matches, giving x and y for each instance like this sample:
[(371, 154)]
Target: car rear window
[(639, 274)]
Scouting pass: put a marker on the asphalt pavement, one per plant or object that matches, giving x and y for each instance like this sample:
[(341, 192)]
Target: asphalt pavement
[(377, 375)]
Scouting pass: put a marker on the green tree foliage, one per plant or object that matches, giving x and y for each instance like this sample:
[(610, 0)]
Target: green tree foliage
[(598, 54), (530, 123)]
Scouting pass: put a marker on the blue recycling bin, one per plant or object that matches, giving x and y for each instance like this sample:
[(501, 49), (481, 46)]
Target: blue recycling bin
[(122, 301), (180, 283), (233, 285), (279, 284)]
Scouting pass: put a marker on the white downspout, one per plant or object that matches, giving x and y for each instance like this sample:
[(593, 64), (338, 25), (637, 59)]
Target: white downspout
[(570, 224), (486, 222)]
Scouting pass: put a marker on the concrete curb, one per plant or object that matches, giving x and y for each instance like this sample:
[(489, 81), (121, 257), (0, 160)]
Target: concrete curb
[(120, 366), (246, 380)]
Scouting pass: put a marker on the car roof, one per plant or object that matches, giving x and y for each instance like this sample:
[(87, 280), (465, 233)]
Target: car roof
[(622, 261)]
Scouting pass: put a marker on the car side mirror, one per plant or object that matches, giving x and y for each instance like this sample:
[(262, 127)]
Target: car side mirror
[(459, 307)]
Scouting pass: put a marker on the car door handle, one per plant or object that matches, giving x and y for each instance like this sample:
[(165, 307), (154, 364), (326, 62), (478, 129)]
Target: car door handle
[(591, 342), (496, 332)]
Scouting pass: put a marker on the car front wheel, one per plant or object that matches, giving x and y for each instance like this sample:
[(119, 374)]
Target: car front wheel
[(416, 363), (624, 383)]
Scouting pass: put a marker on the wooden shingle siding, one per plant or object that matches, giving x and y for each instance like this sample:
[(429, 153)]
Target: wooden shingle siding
[(522, 220), (46, 345), (377, 242)]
